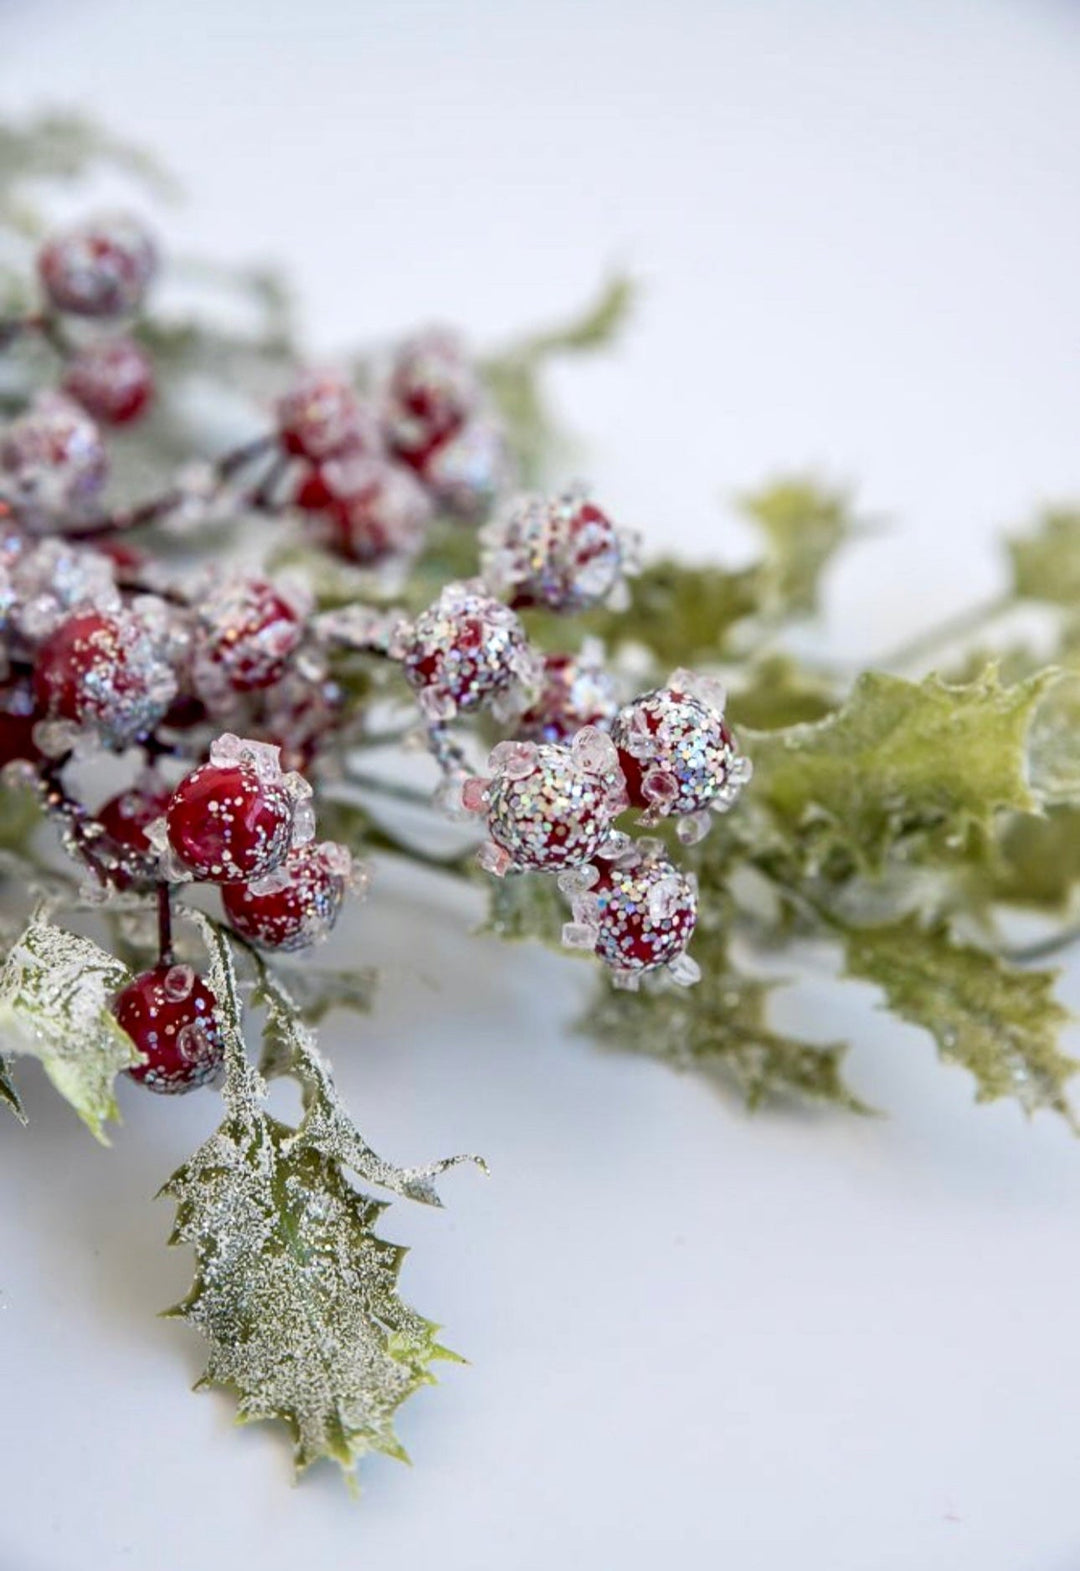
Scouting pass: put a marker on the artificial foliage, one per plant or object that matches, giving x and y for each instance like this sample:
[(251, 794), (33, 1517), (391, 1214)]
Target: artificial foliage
[(296, 584)]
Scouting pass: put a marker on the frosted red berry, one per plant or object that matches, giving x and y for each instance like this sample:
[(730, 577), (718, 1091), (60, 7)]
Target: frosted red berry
[(560, 552), (321, 416), (231, 822), (548, 808), (170, 1015), (100, 269), (296, 904), (431, 391), (246, 632), (18, 716), (111, 672), (637, 913), (125, 819), (112, 379), (373, 510), (465, 649), (52, 461), (676, 753), (575, 691)]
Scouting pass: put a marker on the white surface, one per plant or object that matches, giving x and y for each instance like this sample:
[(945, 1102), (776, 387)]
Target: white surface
[(696, 1339)]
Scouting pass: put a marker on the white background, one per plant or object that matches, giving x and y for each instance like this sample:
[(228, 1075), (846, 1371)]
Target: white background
[(696, 1338)]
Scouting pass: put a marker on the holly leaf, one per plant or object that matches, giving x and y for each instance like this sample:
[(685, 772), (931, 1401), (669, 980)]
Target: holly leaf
[(317, 993), (996, 1021), (295, 1292), (526, 906), (776, 692), (805, 523), (1036, 861), (1046, 563), (682, 614), (55, 994), (899, 757)]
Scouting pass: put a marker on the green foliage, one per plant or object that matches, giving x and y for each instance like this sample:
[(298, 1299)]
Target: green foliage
[(524, 907), (295, 1292), (996, 1021), (805, 523), (1046, 563), (898, 757), (684, 615), (55, 992)]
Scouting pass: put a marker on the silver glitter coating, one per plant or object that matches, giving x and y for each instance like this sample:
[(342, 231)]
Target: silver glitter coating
[(464, 650), (52, 462), (576, 690), (640, 911), (677, 754), (548, 808), (561, 552), (101, 269)]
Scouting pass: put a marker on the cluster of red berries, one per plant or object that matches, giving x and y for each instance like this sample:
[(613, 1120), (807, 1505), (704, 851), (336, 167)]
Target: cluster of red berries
[(374, 473)]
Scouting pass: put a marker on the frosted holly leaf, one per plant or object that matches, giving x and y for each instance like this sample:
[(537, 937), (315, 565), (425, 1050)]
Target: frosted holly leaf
[(897, 758), (294, 1291), (289, 1048), (999, 1022), (1046, 563), (684, 615), (55, 994), (8, 1093), (805, 523), (525, 906), (317, 992), (720, 1027)]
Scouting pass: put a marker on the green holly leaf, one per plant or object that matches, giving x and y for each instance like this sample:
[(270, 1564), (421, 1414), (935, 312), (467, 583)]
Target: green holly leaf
[(899, 757), (295, 1292), (805, 523), (1036, 860), (775, 692), (998, 1022), (1046, 563), (684, 615), (526, 906), (55, 994)]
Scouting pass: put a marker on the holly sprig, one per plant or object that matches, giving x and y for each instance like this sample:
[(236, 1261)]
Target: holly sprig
[(896, 821)]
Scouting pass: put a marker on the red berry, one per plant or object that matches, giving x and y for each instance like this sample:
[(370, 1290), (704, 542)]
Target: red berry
[(112, 379), (297, 903), (577, 691), (646, 910), (464, 649), (676, 753), (110, 672), (169, 1013), (52, 460), (548, 808), (432, 390), (321, 416), (374, 510), (125, 819), (466, 470), (232, 821), (18, 717), (560, 552), (99, 269), (245, 634)]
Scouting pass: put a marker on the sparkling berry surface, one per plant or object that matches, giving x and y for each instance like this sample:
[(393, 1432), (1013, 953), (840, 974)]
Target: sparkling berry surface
[(169, 1013), (575, 691), (295, 905), (100, 269), (546, 811), (560, 552), (321, 416), (125, 819), (374, 510), (247, 631), (431, 391), (467, 470), (110, 672), (644, 911), (52, 460), (227, 824), (18, 716), (465, 648), (112, 379), (675, 751)]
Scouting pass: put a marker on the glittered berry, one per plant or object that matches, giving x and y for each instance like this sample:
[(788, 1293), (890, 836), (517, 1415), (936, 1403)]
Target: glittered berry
[(636, 912), (170, 1015), (234, 819), (296, 904), (125, 819), (547, 808), (52, 461), (321, 416), (246, 632), (575, 691), (465, 649), (112, 379), (431, 391), (373, 510), (298, 713), (560, 552), (677, 755), (469, 470), (109, 672), (99, 269)]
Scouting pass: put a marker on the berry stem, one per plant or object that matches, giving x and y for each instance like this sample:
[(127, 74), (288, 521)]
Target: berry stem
[(164, 922)]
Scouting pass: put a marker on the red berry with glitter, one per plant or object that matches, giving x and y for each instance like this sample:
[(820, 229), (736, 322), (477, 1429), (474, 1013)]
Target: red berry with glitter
[(234, 819), (637, 913), (295, 905), (561, 552), (170, 1015), (109, 672), (100, 269), (431, 391), (373, 510), (576, 691), (125, 819), (246, 632), (321, 416), (112, 379), (464, 650)]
